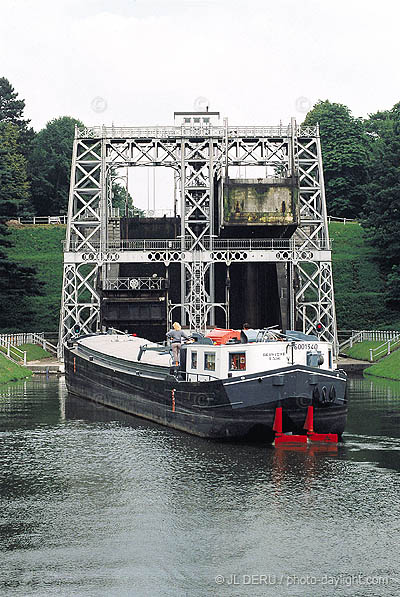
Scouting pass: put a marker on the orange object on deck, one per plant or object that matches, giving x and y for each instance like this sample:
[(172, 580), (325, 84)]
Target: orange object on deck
[(221, 336)]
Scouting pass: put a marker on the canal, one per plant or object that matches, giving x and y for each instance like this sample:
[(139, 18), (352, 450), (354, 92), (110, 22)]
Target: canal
[(97, 503)]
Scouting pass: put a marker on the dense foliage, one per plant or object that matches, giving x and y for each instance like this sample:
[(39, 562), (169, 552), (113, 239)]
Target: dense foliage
[(50, 166), (362, 175), (11, 111), (14, 187), (382, 209), (362, 171), (345, 154)]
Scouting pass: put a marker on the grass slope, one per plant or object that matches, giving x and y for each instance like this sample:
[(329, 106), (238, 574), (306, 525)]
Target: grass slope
[(41, 247), (359, 287), (35, 352), (389, 367), (360, 350), (10, 371)]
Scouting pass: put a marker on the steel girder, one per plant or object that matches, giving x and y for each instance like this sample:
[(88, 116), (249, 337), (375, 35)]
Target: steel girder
[(198, 157)]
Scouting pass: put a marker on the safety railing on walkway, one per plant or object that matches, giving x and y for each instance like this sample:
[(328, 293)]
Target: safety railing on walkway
[(216, 245), (384, 349), (343, 220), (35, 220), (17, 339), (12, 352), (390, 340)]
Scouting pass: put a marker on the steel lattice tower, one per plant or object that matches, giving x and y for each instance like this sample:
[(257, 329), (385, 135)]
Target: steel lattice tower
[(199, 155)]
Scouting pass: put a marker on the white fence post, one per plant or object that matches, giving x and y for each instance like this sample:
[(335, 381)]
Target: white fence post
[(370, 355)]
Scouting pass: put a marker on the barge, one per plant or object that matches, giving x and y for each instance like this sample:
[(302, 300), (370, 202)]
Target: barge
[(228, 385)]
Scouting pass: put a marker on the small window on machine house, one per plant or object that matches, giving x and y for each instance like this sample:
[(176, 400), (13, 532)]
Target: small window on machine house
[(209, 361), (237, 361), (194, 360)]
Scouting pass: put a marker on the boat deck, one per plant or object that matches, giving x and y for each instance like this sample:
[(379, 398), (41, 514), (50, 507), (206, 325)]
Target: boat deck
[(125, 347)]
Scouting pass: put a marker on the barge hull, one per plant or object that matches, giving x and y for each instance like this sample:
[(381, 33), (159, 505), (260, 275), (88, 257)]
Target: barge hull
[(217, 409)]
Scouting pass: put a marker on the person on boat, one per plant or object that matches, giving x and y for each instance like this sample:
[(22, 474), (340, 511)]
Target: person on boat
[(176, 334)]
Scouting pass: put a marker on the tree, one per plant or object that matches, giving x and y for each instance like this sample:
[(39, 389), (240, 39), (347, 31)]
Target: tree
[(11, 111), (17, 285), (345, 154), (16, 282), (14, 187), (382, 210), (124, 202), (393, 288), (50, 166)]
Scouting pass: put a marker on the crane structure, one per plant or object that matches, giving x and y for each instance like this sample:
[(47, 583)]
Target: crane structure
[(202, 152)]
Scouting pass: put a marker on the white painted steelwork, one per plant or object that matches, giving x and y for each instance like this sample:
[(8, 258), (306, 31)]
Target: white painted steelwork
[(199, 155)]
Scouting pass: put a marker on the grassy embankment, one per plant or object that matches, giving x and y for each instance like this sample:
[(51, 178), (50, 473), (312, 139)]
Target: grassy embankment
[(389, 367), (40, 247), (358, 283), (33, 352), (10, 371), (359, 288)]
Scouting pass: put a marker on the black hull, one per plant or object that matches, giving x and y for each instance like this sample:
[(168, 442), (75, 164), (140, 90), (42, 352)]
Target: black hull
[(220, 409)]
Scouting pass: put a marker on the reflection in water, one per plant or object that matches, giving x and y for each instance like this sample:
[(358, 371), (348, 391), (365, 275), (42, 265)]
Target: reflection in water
[(95, 502)]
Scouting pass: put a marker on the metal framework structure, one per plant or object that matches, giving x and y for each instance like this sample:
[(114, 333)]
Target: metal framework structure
[(199, 155)]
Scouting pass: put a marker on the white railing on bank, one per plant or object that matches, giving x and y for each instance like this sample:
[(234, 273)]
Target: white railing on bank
[(384, 349), (12, 352), (43, 220), (390, 340), (29, 338), (343, 220)]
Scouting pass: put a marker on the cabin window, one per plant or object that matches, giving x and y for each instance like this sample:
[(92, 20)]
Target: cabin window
[(330, 359), (237, 361), (194, 360), (196, 120), (209, 361), (186, 120)]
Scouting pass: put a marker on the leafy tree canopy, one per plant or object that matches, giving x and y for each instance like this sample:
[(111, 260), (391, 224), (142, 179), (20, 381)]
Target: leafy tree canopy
[(124, 201), (345, 153), (382, 210), (11, 111), (14, 187), (50, 166), (16, 282)]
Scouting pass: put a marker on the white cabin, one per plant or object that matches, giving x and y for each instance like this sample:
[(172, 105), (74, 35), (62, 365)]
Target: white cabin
[(235, 360)]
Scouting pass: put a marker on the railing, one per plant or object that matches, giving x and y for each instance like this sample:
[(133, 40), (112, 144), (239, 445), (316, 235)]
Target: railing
[(384, 349), (134, 284), (343, 220), (29, 338), (189, 375), (215, 244), (157, 132), (390, 338), (12, 352), (154, 213), (43, 220)]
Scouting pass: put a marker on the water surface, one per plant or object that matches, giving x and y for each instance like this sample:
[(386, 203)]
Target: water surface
[(97, 503)]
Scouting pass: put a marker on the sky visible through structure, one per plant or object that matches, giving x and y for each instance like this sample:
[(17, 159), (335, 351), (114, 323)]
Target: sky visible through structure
[(135, 62)]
